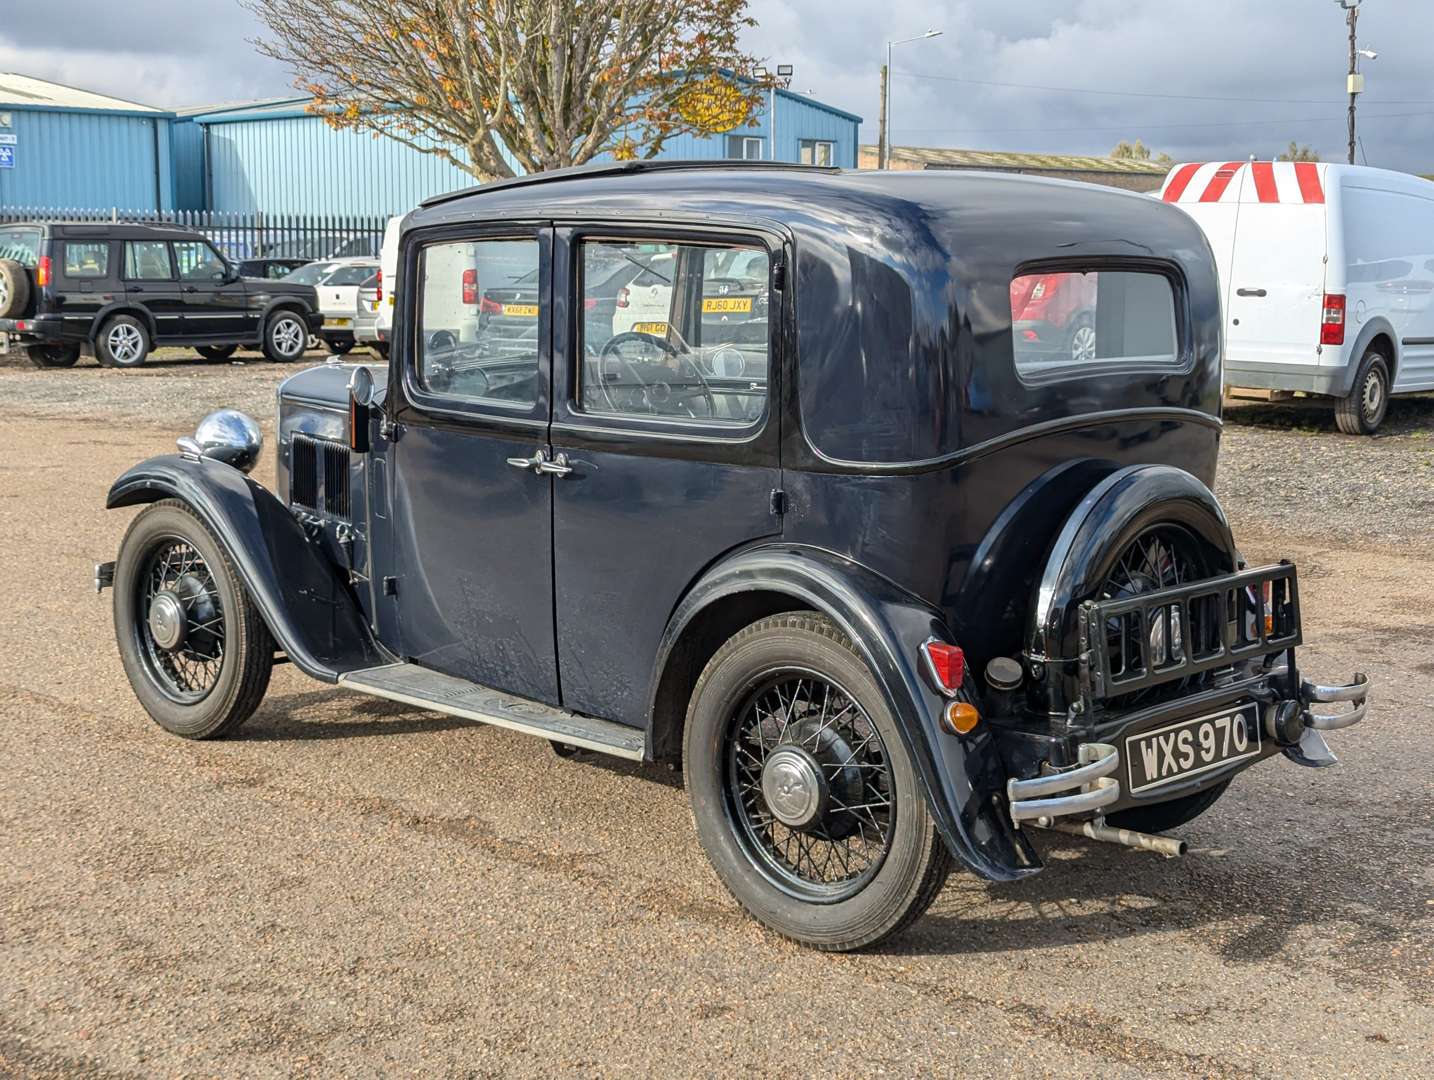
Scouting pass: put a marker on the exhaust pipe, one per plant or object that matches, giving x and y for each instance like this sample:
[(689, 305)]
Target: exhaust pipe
[(1099, 830)]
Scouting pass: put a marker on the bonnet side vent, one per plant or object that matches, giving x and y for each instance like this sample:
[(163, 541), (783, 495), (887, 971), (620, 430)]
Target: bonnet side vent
[(319, 476)]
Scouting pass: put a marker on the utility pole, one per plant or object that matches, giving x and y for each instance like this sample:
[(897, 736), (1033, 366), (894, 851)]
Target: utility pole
[(883, 152), (1355, 82)]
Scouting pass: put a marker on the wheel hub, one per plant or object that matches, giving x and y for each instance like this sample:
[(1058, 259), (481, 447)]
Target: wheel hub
[(167, 620), (793, 787)]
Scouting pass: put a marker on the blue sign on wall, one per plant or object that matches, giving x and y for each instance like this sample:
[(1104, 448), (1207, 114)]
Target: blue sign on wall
[(7, 157)]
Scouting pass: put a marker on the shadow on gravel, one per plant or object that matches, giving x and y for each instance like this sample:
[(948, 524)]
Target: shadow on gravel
[(1407, 416)]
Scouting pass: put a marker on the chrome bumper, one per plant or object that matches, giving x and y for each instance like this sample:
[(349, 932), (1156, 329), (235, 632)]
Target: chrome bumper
[(1356, 694), (1080, 790)]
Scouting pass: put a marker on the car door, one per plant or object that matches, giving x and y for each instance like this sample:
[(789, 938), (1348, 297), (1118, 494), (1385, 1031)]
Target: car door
[(667, 449), (471, 510), (88, 271), (150, 282), (215, 298)]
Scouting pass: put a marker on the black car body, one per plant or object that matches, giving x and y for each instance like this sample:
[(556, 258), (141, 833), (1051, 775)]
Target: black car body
[(897, 591), (120, 290)]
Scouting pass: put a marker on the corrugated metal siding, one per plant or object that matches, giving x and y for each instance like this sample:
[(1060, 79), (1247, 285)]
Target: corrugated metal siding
[(91, 160), (187, 153)]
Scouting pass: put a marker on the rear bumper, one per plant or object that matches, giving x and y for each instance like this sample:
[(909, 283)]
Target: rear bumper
[(1311, 378), (40, 328)]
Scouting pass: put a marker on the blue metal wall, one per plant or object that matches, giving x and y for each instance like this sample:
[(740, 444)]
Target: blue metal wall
[(88, 160), (187, 143)]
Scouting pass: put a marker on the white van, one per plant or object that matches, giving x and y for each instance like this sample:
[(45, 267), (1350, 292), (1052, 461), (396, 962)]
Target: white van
[(1328, 278), (387, 288)]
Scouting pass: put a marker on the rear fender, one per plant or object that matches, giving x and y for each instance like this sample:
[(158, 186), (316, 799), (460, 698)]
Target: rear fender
[(962, 777), (301, 594)]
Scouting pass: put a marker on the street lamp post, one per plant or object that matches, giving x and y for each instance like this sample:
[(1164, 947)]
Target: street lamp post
[(884, 143), (784, 77), (1355, 82)]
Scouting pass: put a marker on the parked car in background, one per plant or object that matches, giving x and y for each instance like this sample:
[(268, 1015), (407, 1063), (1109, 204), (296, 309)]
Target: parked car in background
[(370, 303), (269, 269), (1055, 314), (120, 290), (387, 283), (325, 246), (1327, 274), (899, 594), (339, 301)]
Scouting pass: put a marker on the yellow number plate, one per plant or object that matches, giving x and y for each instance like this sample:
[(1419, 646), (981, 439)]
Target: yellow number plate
[(649, 328), (727, 303), (337, 322), (529, 310)]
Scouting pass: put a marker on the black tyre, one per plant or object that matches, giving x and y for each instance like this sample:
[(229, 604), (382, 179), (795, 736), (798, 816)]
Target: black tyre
[(195, 648), (802, 792), (1363, 410), (216, 352), (14, 288), (1161, 817), (123, 342), (285, 336), (53, 356), (341, 346)]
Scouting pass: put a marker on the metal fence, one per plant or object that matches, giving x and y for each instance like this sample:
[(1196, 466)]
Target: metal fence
[(240, 236)]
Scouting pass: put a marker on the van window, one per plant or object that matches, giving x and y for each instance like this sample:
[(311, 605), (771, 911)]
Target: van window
[(1069, 322), (87, 260)]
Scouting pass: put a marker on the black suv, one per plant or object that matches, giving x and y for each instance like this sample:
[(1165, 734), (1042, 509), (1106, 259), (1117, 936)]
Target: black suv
[(122, 290)]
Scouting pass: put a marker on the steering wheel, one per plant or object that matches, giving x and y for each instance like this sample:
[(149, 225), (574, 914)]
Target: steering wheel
[(653, 388)]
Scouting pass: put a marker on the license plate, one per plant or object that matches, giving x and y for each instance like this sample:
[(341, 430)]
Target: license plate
[(526, 310), (1179, 751), (658, 328), (727, 303), (336, 322)]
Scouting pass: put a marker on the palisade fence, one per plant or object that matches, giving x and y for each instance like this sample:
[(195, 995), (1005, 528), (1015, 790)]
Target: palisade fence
[(240, 236)]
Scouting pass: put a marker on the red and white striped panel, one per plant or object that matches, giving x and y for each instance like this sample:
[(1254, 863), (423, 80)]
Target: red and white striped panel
[(1245, 181)]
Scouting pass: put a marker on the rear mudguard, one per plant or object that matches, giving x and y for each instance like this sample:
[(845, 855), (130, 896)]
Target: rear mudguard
[(302, 595), (962, 777)]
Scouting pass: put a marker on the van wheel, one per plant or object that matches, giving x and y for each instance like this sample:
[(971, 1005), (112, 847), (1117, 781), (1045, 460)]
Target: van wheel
[(1363, 410), (802, 791), (216, 352), (194, 646), (285, 336), (123, 342), (14, 288), (53, 356)]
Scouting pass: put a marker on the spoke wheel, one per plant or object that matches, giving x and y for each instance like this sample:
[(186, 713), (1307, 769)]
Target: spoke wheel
[(809, 786), (182, 625)]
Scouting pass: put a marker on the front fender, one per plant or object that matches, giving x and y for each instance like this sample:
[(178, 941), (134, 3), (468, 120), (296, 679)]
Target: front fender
[(962, 777), (301, 595)]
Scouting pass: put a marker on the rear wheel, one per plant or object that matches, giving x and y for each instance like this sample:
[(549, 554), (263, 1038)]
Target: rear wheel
[(216, 352), (341, 347), (285, 336), (123, 342), (194, 646), (53, 356), (802, 792), (1363, 410), (1080, 342)]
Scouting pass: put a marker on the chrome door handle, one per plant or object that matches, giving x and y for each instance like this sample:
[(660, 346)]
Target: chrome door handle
[(1249, 292), (537, 461), (557, 467)]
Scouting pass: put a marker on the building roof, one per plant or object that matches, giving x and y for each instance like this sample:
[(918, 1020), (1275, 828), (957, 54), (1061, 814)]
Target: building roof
[(255, 105), (952, 158), (19, 91)]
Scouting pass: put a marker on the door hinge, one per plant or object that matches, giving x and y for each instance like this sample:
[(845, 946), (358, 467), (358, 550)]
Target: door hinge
[(779, 277), (778, 502), (390, 429), (390, 586)]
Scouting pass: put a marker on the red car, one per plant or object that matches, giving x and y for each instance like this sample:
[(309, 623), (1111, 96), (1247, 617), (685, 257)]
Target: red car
[(1055, 314)]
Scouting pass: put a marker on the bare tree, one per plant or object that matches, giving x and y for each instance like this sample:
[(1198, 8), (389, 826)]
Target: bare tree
[(1296, 152), (552, 82)]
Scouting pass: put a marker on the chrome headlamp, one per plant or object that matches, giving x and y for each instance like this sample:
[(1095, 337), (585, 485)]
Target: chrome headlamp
[(228, 436)]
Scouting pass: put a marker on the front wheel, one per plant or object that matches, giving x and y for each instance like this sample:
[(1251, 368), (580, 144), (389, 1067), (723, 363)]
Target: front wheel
[(195, 648), (54, 356), (285, 336), (802, 792), (1363, 410)]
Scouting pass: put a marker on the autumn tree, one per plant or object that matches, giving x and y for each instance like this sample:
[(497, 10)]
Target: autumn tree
[(1296, 152), (552, 82), (1138, 151)]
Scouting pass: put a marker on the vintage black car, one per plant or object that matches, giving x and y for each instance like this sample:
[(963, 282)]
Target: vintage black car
[(894, 589)]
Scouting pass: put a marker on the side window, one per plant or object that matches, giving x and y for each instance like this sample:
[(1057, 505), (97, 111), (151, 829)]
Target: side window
[(87, 260), (147, 260), (479, 310), (674, 330), (1066, 323), (197, 261)]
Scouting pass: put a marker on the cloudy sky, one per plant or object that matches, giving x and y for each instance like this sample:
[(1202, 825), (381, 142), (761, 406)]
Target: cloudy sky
[(1196, 78)]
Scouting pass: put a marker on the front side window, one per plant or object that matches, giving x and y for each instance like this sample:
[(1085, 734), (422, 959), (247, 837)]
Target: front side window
[(198, 261), (674, 330), (147, 260), (1068, 322), (87, 260), (479, 317), (818, 152)]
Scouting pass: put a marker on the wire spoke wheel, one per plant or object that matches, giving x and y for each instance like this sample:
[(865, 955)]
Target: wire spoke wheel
[(809, 786), (180, 621)]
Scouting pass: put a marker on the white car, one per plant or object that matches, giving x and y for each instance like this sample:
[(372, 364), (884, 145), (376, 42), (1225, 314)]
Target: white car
[(339, 301), (386, 288), (1327, 277)]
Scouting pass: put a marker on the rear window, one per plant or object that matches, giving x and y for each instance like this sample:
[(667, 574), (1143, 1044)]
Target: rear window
[(21, 245), (351, 275), (87, 259), (1070, 323), (311, 274)]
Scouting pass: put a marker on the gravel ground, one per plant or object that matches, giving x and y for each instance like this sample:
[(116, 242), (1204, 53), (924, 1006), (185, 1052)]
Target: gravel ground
[(354, 888)]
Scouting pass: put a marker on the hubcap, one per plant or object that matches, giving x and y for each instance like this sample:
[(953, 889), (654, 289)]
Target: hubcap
[(793, 787), (288, 337), (167, 621), (125, 342), (1083, 344), (4, 295), (178, 621), (1373, 394)]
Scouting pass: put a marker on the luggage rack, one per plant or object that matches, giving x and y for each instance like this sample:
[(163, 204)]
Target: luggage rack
[(1135, 642)]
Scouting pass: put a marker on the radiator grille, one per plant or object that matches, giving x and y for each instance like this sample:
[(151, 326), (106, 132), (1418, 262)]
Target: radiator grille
[(319, 476)]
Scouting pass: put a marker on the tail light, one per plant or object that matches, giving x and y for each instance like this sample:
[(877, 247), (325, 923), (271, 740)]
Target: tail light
[(1331, 323), (946, 665), (487, 306), (378, 297), (590, 303), (42, 271), (470, 286), (622, 296)]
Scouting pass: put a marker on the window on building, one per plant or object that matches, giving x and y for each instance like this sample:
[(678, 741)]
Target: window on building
[(198, 261), (90, 260), (147, 260), (745, 147), (818, 152)]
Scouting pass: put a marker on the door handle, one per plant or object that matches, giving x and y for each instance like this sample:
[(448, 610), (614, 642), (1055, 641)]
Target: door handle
[(537, 461), (190, 288), (557, 467), (1249, 292), (136, 288)]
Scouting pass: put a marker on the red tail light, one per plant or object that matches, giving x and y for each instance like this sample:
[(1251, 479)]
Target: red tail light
[(488, 307), (470, 286), (622, 296), (590, 303), (42, 271), (1331, 322), (379, 298), (946, 665)]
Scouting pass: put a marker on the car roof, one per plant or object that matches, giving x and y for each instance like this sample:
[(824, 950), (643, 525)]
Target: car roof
[(121, 230)]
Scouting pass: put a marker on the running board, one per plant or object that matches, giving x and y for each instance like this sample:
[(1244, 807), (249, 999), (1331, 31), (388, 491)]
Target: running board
[(414, 685)]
